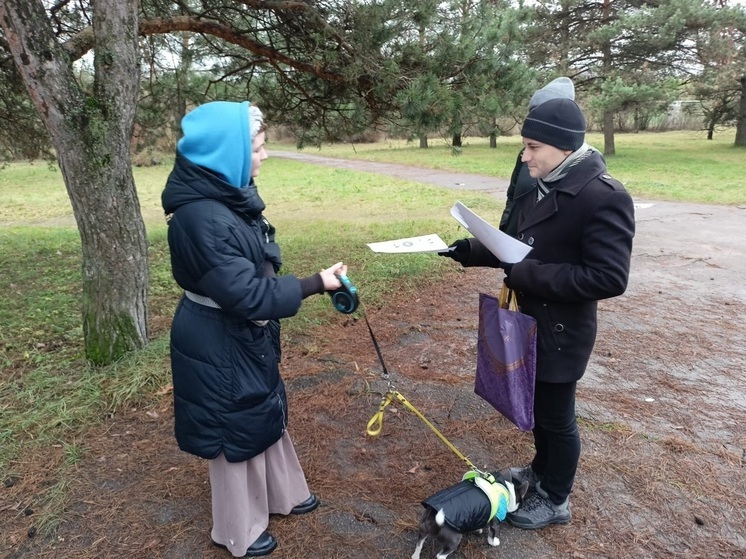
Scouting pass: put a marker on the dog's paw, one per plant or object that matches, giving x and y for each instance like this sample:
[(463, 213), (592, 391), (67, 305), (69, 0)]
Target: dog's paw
[(494, 542)]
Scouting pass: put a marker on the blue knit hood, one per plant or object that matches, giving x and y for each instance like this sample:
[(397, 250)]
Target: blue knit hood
[(217, 137)]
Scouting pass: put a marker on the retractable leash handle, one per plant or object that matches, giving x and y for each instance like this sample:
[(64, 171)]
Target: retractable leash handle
[(345, 298)]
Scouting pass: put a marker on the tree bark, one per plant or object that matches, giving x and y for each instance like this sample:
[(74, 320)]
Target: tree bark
[(711, 129), (741, 120), (608, 115), (608, 126), (423, 141), (91, 133)]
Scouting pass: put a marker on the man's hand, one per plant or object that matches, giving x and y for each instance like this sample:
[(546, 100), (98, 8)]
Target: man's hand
[(459, 251)]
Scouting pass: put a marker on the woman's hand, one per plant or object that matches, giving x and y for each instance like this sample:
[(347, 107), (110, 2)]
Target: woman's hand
[(330, 276)]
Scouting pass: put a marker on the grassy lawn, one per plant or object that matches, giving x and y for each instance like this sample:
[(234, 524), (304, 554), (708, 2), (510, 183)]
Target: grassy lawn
[(677, 166), (49, 395)]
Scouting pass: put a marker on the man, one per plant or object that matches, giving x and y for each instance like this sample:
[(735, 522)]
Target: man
[(580, 223)]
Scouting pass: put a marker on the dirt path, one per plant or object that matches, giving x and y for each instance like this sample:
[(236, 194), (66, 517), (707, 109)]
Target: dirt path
[(681, 234), (662, 412)]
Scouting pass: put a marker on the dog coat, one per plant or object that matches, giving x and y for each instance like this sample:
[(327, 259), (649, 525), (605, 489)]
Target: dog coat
[(471, 504)]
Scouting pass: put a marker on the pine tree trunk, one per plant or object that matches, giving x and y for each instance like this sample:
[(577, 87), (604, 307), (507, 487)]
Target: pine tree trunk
[(91, 134), (115, 266), (608, 115), (741, 120), (711, 130), (423, 141), (456, 141), (608, 125)]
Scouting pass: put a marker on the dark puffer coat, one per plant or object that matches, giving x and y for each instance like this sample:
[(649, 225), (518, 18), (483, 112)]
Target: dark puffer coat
[(228, 394), (581, 234), (465, 506)]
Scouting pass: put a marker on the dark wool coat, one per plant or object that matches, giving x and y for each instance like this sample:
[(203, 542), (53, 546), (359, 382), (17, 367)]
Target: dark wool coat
[(520, 183), (228, 394), (581, 234)]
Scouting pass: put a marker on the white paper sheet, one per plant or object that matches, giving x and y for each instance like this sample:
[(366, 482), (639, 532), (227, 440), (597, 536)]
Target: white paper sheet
[(425, 243), (502, 245)]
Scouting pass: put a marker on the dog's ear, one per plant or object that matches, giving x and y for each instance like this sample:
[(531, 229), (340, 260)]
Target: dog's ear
[(521, 491)]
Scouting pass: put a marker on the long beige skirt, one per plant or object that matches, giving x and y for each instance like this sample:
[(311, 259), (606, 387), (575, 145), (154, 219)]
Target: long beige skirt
[(244, 494)]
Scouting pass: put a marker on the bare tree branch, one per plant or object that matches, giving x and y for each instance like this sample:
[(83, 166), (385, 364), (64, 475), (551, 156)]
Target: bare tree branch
[(83, 42)]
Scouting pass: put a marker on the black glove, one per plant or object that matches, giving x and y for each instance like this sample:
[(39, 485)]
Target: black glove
[(507, 268), (459, 251)]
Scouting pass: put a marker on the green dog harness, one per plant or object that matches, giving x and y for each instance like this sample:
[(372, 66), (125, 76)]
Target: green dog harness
[(497, 493)]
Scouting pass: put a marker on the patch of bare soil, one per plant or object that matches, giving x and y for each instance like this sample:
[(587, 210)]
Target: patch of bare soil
[(662, 422)]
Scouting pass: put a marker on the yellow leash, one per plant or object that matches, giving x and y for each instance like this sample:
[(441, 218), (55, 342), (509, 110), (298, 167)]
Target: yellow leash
[(375, 425)]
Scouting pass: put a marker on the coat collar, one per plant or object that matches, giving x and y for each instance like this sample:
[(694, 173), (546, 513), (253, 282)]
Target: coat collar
[(577, 179), (189, 182)]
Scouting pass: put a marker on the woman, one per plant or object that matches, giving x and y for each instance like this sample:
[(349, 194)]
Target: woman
[(230, 405)]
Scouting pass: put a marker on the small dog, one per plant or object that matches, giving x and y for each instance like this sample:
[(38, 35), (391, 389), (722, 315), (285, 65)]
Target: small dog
[(466, 507)]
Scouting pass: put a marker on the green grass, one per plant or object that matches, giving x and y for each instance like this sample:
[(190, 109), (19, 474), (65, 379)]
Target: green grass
[(49, 395), (676, 166), (32, 190)]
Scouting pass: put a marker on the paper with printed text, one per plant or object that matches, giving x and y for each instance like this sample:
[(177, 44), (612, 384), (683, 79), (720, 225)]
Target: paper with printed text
[(424, 243), (502, 245)]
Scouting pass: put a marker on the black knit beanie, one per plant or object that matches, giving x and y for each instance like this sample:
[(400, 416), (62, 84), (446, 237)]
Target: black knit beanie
[(557, 122)]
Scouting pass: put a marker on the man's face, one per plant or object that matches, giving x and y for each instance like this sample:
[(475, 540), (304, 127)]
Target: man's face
[(541, 159)]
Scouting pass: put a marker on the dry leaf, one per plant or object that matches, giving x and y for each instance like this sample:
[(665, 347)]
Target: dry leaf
[(166, 389)]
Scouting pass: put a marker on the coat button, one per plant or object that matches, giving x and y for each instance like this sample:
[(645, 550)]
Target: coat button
[(520, 236), (559, 327), (530, 240)]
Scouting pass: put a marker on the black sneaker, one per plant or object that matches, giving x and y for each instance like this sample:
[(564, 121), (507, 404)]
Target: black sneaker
[(538, 511), (526, 473)]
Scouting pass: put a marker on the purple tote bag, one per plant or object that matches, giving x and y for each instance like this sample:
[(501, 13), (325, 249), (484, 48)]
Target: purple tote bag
[(506, 361)]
